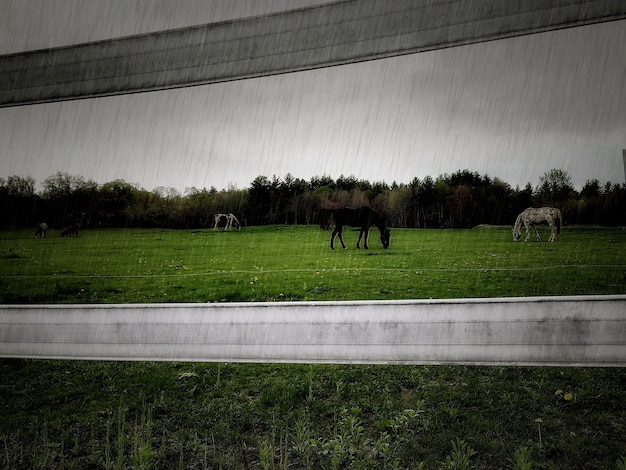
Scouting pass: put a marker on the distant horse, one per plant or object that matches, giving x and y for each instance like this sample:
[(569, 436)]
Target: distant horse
[(69, 231), (42, 230), (228, 220), (362, 217), (537, 215)]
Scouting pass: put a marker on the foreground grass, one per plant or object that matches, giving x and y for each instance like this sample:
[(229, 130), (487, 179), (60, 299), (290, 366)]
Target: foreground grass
[(59, 414), (144, 415)]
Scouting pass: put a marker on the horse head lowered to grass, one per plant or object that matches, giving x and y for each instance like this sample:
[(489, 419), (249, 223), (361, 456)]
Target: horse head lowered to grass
[(227, 220), (361, 217), (536, 215)]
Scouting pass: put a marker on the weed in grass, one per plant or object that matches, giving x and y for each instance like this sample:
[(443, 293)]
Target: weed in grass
[(266, 454), (348, 446), (539, 421), (121, 439), (143, 456), (522, 460), (309, 397), (460, 457), (302, 443), (107, 460)]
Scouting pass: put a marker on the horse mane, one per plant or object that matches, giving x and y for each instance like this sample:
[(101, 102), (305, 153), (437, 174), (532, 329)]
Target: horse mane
[(324, 217), (381, 219)]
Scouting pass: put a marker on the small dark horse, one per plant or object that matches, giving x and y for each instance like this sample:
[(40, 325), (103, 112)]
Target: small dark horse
[(362, 217), (69, 231)]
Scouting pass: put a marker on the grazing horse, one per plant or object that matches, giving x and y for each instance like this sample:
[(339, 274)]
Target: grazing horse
[(69, 231), (42, 230), (229, 221), (362, 217), (537, 215)]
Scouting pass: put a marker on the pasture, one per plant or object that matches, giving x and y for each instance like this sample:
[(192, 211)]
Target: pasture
[(59, 414), (295, 263)]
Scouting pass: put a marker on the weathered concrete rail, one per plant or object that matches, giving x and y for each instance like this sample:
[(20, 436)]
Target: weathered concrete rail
[(331, 34), (562, 331)]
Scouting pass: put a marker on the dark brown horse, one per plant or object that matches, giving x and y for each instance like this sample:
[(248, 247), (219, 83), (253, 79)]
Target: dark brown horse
[(69, 231), (362, 217)]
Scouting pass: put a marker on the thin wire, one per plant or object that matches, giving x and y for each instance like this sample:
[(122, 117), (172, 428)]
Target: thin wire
[(303, 270)]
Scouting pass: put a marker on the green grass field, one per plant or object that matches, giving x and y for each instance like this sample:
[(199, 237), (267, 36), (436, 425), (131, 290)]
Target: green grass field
[(295, 263), (75, 414)]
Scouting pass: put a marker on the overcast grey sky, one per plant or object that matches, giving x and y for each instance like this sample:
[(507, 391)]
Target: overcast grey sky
[(511, 109)]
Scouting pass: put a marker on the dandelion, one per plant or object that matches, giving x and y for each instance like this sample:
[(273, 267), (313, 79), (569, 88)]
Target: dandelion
[(539, 421), (566, 396)]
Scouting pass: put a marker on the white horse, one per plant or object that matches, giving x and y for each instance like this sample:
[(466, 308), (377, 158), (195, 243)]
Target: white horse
[(537, 215), (42, 230), (230, 220)]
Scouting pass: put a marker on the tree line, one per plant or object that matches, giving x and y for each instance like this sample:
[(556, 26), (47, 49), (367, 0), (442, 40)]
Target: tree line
[(460, 200)]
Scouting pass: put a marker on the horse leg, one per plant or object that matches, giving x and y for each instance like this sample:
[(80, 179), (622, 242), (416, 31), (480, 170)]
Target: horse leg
[(332, 238), (537, 233), (552, 229), (343, 245), (527, 231), (358, 242), (340, 235), (366, 236)]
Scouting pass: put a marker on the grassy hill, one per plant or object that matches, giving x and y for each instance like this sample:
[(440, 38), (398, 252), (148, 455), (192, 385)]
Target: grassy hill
[(62, 414)]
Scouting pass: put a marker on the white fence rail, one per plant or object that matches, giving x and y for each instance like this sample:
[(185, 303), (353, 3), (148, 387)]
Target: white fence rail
[(320, 36), (563, 331)]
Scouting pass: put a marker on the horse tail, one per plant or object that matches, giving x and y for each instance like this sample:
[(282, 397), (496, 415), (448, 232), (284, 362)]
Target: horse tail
[(559, 221)]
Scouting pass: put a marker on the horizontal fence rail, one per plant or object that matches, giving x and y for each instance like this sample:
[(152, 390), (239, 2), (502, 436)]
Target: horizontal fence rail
[(330, 34), (545, 331)]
